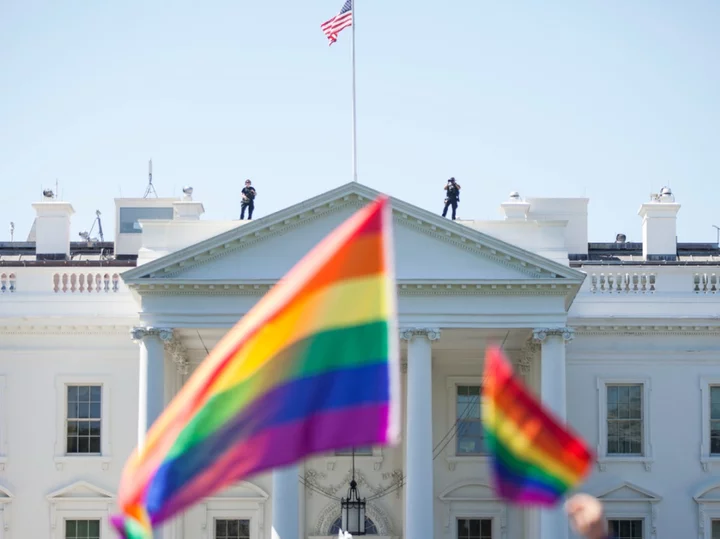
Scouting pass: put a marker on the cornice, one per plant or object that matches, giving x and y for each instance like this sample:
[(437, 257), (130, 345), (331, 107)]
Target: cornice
[(355, 195), (59, 329), (489, 288), (642, 330)]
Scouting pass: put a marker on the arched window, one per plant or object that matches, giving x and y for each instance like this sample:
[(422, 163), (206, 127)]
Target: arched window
[(370, 528)]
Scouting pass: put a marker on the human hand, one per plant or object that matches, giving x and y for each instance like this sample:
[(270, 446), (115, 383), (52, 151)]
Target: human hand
[(587, 516)]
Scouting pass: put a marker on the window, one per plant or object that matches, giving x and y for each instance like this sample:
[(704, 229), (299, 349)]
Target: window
[(715, 420), (470, 434), (464, 401), (362, 451), (474, 528), (626, 528), (370, 527), (84, 417), (715, 526), (83, 421), (710, 414), (82, 529), (624, 419), (129, 218), (232, 529)]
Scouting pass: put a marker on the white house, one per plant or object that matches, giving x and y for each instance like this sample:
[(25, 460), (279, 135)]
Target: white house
[(623, 339)]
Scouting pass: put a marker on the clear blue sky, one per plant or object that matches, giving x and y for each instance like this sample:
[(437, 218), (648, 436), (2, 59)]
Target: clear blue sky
[(605, 99)]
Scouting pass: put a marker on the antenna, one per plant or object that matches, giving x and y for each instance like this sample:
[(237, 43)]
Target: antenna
[(714, 226), (150, 187), (87, 235), (12, 232)]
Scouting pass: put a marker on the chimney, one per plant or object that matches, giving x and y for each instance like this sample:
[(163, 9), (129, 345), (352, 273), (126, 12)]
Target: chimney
[(186, 209), (52, 228), (515, 208), (659, 226)]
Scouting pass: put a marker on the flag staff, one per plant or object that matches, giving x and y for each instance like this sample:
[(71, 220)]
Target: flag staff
[(354, 110)]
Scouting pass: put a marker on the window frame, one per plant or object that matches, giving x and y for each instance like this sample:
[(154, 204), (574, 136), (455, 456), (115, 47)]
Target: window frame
[(6, 499), (494, 525), (61, 456), (709, 508), (212, 514), (706, 458), (643, 519), (215, 518), (80, 501), (603, 458), (451, 455), (3, 422), (71, 518)]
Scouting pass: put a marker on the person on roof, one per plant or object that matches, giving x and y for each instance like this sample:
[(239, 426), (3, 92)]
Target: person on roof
[(452, 197), (248, 200)]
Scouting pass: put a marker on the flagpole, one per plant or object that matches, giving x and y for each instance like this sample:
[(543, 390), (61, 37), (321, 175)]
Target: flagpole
[(354, 112)]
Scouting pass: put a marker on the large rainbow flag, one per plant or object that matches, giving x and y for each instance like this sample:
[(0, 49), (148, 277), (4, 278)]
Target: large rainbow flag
[(313, 367), (535, 459)]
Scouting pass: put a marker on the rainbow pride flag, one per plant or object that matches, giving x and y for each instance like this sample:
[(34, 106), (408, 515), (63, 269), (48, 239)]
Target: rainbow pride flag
[(535, 459), (313, 367)]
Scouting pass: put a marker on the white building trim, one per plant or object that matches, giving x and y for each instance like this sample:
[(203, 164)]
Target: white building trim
[(706, 459), (78, 501), (61, 456), (708, 500), (3, 422), (629, 501), (603, 458), (234, 506), (473, 499), (451, 456), (6, 499)]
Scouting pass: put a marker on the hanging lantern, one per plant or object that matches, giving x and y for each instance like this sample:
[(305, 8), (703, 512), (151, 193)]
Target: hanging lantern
[(353, 511)]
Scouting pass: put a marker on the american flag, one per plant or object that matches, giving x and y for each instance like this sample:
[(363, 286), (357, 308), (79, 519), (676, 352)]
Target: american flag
[(338, 23)]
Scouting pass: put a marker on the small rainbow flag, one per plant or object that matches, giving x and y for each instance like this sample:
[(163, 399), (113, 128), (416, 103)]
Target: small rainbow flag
[(311, 368), (535, 459)]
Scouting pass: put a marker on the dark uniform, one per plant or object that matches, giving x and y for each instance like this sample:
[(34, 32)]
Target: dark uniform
[(248, 200), (452, 198)]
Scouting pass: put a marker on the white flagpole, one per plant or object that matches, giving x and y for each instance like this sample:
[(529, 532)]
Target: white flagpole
[(354, 113)]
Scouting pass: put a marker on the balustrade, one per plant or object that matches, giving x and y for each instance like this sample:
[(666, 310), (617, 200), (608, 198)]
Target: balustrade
[(86, 283), (705, 283), (622, 283), (7, 283)]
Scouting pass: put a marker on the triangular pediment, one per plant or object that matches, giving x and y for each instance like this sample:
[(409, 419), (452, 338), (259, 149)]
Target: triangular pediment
[(709, 494), (243, 491), (5, 495), (468, 491), (628, 492), (81, 489), (428, 247)]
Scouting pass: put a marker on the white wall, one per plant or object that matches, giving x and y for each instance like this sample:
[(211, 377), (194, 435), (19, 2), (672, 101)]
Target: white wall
[(34, 367), (674, 364)]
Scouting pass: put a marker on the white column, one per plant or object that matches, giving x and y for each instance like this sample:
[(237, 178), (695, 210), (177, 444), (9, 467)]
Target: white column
[(285, 503), (151, 385), (419, 492), (553, 390)]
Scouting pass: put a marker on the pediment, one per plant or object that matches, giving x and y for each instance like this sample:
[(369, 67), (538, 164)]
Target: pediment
[(628, 492), (468, 491), (709, 494), (5, 495), (243, 491), (81, 489), (427, 247)]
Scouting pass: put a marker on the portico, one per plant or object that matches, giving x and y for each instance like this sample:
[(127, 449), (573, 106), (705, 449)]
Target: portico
[(473, 291)]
